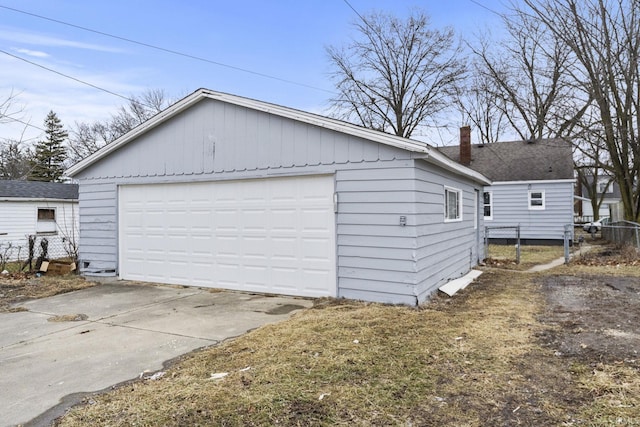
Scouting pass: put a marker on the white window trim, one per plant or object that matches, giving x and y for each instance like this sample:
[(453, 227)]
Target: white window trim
[(537, 208), (476, 197), (609, 186), (490, 217), (446, 203), (45, 227)]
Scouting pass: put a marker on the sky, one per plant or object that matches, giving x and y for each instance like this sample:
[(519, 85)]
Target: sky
[(270, 50)]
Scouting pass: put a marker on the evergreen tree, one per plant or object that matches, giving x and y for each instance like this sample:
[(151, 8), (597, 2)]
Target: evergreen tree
[(50, 154)]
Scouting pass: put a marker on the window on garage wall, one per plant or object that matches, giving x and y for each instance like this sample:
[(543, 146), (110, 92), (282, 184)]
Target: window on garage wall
[(488, 205), (452, 204), (46, 221)]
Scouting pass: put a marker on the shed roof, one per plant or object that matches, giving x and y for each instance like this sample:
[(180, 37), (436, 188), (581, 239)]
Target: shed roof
[(15, 189), (422, 150), (545, 159)]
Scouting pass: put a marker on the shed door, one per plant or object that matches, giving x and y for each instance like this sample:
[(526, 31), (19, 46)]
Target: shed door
[(274, 235)]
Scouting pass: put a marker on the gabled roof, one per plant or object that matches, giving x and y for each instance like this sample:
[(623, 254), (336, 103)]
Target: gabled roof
[(421, 149), (545, 159), (37, 190)]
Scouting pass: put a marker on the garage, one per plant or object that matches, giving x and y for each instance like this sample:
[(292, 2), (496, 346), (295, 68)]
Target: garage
[(271, 235), (224, 191)]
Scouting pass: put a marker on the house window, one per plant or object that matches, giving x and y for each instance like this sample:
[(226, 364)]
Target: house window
[(452, 204), (487, 206), (536, 200), (46, 223), (605, 186)]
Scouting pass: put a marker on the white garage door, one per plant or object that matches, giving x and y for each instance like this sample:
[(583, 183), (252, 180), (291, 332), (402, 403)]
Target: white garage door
[(274, 235)]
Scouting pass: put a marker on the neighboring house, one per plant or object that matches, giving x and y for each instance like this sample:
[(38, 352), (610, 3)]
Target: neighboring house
[(607, 189), (532, 184), (229, 192), (42, 209)]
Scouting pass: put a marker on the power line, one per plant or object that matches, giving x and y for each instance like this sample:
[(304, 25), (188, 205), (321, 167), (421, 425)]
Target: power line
[(477, 3), (66, 75), (13, 119), (162, 49), (355, 11)]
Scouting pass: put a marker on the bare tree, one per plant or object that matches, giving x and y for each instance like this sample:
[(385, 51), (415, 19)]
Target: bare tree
[(87, 138), (604, 39), (396, 73), (10, 111), (480, 107), (15, 160), (527, 78)]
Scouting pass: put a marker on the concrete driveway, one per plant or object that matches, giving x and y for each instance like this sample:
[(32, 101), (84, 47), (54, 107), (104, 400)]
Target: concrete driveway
[(130, 329)]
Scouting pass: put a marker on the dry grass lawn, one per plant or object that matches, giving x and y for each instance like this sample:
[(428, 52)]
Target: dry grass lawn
[(504, 256), (20, 287), (473, 360)]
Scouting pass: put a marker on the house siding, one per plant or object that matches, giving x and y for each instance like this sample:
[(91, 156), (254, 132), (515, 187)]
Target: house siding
[(18, 220), (511, 208), (377, 257), (445, 250)]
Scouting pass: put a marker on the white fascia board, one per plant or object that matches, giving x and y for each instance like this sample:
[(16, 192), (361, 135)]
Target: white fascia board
[(41, 200), (548, 181), (135, 132), (427, 152), (436, 158), (321, 121)]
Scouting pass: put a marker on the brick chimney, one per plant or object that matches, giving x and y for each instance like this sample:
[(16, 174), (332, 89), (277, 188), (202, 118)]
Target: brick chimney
[(465, 145)]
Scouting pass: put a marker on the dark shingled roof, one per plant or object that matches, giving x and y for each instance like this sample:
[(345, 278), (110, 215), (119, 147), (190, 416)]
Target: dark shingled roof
[(545, 159), (38, 190)]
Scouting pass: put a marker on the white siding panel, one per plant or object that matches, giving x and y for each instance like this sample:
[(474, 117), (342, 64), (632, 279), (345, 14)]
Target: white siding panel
[(18, 221)]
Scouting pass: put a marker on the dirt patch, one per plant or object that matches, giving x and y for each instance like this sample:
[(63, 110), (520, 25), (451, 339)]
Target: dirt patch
[(68, 318), (593, 318)]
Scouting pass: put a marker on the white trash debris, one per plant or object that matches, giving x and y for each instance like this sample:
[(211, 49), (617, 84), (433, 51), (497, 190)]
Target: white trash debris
[(156, 376), (218, 375)]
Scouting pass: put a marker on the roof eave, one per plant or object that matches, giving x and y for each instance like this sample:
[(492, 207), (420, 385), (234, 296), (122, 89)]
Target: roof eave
[(443, 161), (36, 199), (421, 149), (135, 132)]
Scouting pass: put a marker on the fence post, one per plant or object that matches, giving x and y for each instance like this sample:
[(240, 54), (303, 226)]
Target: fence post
[(567, 232), (486, 242), (518, 244)]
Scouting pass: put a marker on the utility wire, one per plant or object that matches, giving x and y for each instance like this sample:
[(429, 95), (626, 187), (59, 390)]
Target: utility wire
[(66, 75), (162, 49), (13, 119), (355, 11), (477, 3)]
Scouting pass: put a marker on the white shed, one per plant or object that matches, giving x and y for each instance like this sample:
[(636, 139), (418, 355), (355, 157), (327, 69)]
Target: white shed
[(46, 210)]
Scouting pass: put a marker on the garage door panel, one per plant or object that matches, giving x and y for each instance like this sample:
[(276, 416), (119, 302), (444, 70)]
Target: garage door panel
[(272, 235)]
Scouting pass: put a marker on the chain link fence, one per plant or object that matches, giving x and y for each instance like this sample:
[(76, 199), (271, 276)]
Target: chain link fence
[(502, 242), (28, 254), (622, 233)]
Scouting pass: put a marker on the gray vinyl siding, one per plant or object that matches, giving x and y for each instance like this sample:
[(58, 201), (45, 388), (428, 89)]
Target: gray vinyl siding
[(98, 227), (511, 207), (377, 258), (445, 250), (376, 255)]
